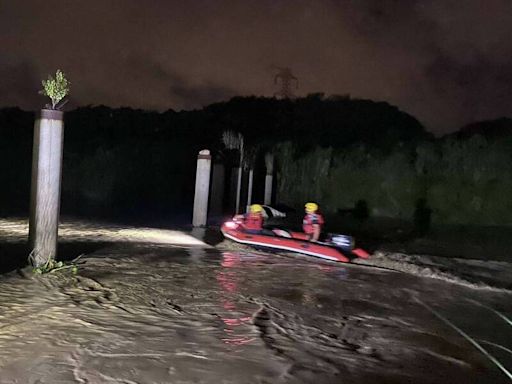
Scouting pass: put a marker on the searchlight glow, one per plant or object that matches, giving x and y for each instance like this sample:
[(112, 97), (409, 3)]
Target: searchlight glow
[(17, 230)]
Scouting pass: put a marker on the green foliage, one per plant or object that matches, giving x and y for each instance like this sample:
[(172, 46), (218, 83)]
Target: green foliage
[(56, 89), (447, 181), (52, 266)]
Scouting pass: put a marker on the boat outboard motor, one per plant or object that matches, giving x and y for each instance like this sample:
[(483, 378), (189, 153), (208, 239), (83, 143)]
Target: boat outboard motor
[(342, 241)]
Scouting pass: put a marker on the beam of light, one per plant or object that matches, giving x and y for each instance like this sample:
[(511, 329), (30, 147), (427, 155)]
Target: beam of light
[(496, 345), (16, 230), (501, 315), (467, 337)]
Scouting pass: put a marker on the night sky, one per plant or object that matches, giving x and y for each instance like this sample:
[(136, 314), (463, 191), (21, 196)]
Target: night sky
[(446, 62)]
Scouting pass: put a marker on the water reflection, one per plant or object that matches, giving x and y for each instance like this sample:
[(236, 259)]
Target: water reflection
[(196, 254), (334, 271), (237, 324)]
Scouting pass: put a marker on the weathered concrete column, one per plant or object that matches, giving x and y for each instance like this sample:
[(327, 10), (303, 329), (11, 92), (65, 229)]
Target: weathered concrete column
[(46, 185), (202, 188), (217, 194), (240, 171), (269, 163), (249, 189), (238, 188)]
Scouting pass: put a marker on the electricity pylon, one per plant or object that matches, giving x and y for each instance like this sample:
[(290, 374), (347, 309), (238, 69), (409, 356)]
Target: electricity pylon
[(287, 78)]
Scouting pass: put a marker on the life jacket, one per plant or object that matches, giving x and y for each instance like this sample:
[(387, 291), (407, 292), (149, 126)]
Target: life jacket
[(309, 220), (253, 221)]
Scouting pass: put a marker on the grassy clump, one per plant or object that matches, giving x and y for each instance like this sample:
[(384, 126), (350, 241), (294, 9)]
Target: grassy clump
[(52, 266)]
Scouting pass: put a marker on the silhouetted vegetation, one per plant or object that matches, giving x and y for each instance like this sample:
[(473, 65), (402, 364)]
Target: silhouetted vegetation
[(492, 129), (361, 211), (345, 153), (422, 217)]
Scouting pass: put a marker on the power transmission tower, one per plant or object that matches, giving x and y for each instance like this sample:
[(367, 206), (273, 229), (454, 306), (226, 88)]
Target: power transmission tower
[(287, 78)]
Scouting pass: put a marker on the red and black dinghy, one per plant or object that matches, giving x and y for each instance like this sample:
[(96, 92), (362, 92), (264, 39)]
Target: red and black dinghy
[(335, 248)]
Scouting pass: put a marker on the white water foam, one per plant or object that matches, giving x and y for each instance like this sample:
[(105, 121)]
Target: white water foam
[(477, 274)]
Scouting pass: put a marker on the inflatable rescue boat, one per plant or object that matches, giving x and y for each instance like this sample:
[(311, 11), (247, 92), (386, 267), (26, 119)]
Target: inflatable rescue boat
[(335, 247)]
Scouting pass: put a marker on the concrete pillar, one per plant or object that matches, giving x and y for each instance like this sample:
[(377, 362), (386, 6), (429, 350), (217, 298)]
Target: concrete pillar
[(217, 197), (238, 189), (199, 233), (202, 188), (240, 170), (249, 189), (46, 185), (196, 252), (269, 163)]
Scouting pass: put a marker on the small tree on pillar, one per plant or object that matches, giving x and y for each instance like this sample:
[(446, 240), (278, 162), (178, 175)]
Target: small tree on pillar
[(56, 89), (46, 175)]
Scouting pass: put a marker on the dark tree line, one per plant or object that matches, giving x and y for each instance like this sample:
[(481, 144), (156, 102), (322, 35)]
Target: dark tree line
[(126, 161)]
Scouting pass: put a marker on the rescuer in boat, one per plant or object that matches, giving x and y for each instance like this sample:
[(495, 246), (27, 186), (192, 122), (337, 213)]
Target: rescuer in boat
[(313, 221), (252, 222)]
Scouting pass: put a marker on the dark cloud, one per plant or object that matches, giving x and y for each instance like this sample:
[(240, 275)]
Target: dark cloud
[(444, 61), (199, 95), (479, 89), (17, 81), (181, 88)]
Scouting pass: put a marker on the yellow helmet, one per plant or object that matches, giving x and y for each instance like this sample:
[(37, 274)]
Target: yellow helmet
[(311, 207), (256, 208)]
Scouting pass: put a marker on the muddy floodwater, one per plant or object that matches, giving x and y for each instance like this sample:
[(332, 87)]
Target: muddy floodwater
[(174, 311)]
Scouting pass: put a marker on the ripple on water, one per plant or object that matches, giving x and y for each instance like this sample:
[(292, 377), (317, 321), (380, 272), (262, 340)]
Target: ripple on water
[(153, 313)]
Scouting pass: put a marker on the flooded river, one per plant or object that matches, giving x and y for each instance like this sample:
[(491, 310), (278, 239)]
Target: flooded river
[(159, 307)]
